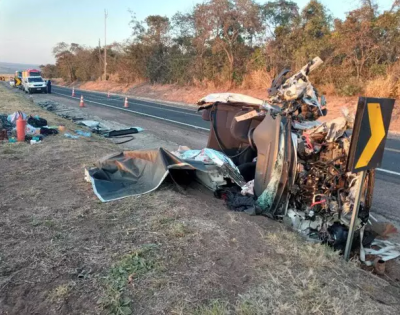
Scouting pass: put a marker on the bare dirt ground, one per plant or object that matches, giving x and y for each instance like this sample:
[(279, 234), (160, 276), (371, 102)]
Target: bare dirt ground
[(64, 252), (190, 95)]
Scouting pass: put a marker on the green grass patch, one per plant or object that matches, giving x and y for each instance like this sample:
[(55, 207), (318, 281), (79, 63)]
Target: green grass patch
[(116, 299)]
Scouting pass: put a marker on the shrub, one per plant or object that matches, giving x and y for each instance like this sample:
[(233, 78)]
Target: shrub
[(382, 86)]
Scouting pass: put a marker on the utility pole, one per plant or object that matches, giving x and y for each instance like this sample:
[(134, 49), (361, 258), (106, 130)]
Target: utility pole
[(100, 60), (105, 44)]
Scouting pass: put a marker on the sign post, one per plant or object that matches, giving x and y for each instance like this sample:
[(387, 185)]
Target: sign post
[(366, 149), (354, 216)]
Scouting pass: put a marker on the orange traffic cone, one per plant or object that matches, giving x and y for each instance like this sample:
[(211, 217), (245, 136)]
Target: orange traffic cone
[(73, 92), (81, 103), (126, 103), (108, 94)]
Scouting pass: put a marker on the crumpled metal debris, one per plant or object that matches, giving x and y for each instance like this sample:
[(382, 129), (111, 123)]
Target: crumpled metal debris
[(334, 129), (210, 156), (230, 98), (382, 248), (248, 189)]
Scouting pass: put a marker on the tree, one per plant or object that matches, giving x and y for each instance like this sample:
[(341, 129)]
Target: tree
[(356, 40), (226, 25), (65, 60), (49, 71), (280, 14)]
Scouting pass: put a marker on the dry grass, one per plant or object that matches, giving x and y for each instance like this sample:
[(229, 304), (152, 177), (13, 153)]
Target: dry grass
[(257, 79), (382, 86), (327, 89), (303, 278)]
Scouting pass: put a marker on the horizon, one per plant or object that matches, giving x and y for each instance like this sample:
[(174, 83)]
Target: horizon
[(87, 25)]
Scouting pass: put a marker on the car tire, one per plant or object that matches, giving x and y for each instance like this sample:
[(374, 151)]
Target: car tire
[(29, 91)]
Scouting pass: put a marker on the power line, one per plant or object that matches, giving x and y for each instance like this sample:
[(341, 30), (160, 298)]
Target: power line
[(105, 43)]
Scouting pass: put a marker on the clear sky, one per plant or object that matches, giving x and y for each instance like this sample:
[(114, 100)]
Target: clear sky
[(29, 29)]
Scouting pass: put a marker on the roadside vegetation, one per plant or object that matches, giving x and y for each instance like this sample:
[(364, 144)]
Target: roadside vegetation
[(226, 44)]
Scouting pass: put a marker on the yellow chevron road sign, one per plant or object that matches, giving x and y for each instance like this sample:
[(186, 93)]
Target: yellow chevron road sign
[(369, 133), (17, 81)]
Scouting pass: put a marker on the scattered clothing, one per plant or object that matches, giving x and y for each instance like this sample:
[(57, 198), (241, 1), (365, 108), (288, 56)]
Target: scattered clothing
[(5, 124), (37, 122), (48, 131), (13, 117), (235, 201)]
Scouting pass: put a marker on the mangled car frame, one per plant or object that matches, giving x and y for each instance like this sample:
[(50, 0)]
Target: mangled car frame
[(300, 172)]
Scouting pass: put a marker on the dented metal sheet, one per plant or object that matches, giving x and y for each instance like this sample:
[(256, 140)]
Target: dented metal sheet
[(266, 199)]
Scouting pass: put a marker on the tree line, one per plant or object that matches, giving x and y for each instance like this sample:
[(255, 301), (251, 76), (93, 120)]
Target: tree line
[(244, 43)]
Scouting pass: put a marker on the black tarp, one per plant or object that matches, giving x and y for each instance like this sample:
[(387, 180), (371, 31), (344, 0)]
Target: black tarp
[(133, 173)]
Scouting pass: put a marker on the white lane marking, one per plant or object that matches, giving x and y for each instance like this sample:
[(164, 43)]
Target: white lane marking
[(143, 105), (387, 171), (122, 96), (392, 150), (135, 112)]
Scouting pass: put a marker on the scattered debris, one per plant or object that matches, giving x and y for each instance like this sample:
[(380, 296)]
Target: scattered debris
[(83, 133), (82, 119), (248, 189), (89, 123), (382, 249), (31, 129), (379, 266), (209, 156), (68, 135)]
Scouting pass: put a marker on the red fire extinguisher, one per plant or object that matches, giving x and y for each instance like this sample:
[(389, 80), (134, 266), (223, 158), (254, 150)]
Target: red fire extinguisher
[(21, 127)]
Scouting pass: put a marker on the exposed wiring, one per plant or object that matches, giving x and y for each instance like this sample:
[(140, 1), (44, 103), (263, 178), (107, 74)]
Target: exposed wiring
[(317, 203)]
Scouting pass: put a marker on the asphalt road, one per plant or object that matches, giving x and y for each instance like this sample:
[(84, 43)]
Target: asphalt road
[(188, 117), (181, 115)]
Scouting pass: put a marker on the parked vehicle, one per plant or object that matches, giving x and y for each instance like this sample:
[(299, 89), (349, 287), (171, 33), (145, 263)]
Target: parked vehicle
[(300, 174), (34, 85), (31, 73)]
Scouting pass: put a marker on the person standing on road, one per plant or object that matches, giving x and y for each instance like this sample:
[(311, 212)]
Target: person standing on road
[(49, 86)]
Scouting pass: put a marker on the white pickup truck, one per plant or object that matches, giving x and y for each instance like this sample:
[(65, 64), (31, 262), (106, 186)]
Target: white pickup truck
[(34, 84)]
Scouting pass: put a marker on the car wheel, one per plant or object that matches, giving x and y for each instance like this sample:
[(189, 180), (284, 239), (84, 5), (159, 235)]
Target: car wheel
[(29, 91)]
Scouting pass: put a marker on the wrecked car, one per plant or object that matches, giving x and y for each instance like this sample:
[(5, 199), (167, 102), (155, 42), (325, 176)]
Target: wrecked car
[(297, 164)]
